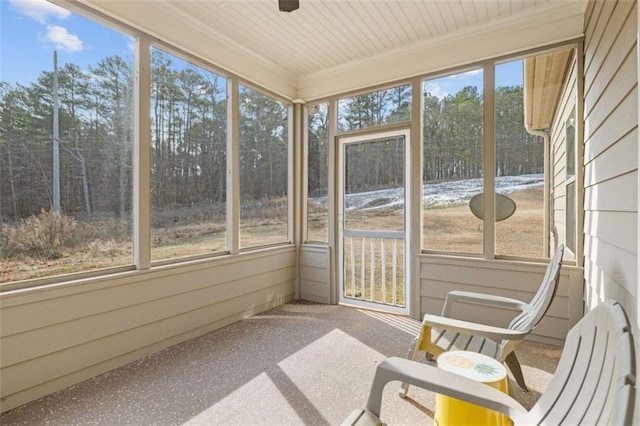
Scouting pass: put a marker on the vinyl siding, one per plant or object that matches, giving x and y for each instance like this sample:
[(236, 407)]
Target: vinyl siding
[(518, 280), (315, 279), (56, 336), (611, 154), (558, 140), (611, 157)]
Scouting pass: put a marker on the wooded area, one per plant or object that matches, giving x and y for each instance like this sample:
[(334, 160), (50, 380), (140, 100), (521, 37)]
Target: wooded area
[(188, 140), (452, 136)]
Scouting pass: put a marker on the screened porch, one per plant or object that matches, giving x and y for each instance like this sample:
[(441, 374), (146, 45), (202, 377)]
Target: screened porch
[(203, 179)]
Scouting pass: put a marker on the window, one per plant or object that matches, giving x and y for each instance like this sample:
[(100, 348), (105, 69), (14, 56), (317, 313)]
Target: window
[(67, 143), (570, 127), (571, 216), (375, 108), (317, 172), (452, 162), (519, 170), (188, 144), (571, 145), (66, 170), (264, 162), (532, 97)]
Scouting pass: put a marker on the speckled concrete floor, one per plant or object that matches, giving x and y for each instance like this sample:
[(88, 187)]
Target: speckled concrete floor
[(297, 364)]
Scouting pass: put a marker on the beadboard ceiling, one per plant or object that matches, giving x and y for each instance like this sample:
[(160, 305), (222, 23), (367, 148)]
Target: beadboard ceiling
[(322, 34), (324, 37)]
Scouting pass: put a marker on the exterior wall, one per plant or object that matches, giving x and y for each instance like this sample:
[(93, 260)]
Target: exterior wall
[(441, 274), (518, 280), (315, 278), (611, 154), (558, 159), (55, 336), (611, 158)]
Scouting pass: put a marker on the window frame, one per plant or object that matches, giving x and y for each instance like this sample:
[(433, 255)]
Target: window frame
[(488, 67), (235, 169), (141, 181), (369, 91), (141, 211), (305, 178), (570, 181), (163, 47), (487, 150)]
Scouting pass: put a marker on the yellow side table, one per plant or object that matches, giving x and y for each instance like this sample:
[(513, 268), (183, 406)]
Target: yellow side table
[(478, 367)]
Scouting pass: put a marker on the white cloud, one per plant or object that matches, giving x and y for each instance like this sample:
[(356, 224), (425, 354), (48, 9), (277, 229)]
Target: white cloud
[(39, 10), (62, 39), (436, 90), (464, 75), (473, 72)]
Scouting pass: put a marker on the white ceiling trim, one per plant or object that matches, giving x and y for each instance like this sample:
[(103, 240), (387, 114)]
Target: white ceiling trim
[(527, 18), (192, 22), (529, 29), (188, 34)]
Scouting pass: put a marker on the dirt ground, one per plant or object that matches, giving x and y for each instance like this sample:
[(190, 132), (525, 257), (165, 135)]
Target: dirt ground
[(456, 229), (452, 229)]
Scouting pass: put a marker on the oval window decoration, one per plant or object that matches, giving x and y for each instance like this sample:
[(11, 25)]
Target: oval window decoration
[(505, 207)]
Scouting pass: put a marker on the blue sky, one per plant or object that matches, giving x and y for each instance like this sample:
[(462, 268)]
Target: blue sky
[(507, 74), (30, 30)]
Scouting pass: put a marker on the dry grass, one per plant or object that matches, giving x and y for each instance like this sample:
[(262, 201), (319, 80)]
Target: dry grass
[(167, 243), (85, 257), (374, 282), (456, 229), (452, 229)]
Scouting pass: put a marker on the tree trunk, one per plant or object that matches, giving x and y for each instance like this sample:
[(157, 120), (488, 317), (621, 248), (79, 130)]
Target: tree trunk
[(85, 185), (84, 175), (12, 181), (124, 160)]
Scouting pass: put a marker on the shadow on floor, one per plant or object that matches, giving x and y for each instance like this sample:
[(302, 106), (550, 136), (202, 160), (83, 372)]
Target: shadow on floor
[(300, 363)]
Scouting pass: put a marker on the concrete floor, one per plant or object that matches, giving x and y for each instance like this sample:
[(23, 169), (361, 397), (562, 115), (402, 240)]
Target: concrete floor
[(297, 364)]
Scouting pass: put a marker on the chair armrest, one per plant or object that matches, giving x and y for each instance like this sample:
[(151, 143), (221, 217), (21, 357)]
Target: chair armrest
[(442, 382), (472, 328), (457, 296)]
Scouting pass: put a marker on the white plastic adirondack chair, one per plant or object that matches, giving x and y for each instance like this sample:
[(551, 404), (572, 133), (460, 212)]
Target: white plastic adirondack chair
[(594, 382), (443, 333)]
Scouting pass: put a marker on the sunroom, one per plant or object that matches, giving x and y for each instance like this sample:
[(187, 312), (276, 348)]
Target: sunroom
[(211, 160)]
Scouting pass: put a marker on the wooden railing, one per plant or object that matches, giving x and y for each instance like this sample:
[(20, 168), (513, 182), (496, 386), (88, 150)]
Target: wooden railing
[(374, 266)]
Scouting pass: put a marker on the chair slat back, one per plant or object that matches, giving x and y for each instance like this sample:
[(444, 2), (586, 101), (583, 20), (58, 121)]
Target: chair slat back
[(595, 379), (541, 301)]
